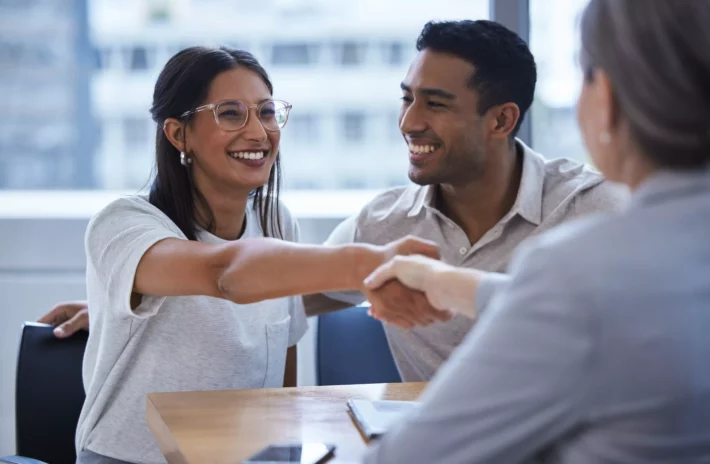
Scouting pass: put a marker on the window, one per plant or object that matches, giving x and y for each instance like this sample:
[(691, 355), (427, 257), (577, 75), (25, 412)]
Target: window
[(137, 58), (303, 129), (350, 53), (554, 39), (353, 126), (136, 132), (94, 64), (102, 57), (393, 53), (290, 54)]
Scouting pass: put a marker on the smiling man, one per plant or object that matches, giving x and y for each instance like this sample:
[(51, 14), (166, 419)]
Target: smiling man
[(478, 193)]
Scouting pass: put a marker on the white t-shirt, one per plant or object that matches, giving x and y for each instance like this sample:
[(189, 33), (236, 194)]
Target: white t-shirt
[(167, 343)]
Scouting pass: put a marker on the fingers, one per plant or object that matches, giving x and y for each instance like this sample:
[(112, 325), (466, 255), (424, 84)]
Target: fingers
[(398, 305), (427, 312), (54, 316), (415, 245), (62, 312), (381, 275), (438, 315), (386, 308), (78, 322), (392, 319)]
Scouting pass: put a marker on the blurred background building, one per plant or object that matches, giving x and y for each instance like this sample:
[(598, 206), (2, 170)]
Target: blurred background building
[(77, 77)]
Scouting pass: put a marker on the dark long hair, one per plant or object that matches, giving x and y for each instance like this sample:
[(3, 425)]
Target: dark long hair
[(182, 86)]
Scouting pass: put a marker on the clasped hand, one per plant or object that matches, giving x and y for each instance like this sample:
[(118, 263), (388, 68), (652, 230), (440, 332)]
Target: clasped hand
[(397, 290)]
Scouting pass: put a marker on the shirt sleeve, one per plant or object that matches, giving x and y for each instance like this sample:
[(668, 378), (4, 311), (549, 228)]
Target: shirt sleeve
[(116, 240), (517, 383), (343, 234), (493, 283)]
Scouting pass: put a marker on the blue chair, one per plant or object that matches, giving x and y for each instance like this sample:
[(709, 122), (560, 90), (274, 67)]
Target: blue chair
[(49, 396), (352, 348)]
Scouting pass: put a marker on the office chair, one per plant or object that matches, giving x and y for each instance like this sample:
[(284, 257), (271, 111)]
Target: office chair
[(49, 396), (19, 460), (352, 348)]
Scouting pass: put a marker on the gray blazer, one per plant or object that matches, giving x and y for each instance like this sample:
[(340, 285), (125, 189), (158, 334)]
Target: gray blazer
[(595, 348)]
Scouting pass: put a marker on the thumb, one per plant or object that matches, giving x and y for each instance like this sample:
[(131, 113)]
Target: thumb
[(61, 331), (380, 276)]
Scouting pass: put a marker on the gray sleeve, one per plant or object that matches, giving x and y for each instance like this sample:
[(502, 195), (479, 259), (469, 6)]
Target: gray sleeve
[(492, 284), (518, 382), (116, 240), (343, 234)]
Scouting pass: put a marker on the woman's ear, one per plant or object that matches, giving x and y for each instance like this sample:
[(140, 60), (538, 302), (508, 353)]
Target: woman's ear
[(605, 99), (175, 132)]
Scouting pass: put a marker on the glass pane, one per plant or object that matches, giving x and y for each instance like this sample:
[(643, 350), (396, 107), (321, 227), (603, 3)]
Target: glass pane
[(71, 67), (554, 40)]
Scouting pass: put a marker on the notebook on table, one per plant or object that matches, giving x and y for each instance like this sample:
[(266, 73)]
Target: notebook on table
[(373, 418)]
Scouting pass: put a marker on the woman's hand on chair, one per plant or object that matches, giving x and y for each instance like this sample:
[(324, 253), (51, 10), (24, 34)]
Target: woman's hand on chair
[(68, 317)]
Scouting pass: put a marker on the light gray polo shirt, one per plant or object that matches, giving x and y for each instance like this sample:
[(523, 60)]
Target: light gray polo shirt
[(550, 192)]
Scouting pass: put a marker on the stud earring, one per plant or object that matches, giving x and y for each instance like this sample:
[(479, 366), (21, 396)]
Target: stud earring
[(605, 138), (185, 160)]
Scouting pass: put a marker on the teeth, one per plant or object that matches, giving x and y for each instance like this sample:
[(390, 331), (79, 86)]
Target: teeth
[(254, 155), (422, 148)]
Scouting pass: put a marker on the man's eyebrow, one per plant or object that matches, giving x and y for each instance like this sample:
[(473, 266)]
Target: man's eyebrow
[(431, 92)]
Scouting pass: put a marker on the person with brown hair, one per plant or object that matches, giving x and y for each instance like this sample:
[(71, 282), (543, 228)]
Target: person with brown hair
[(594, 348), (195, 286)]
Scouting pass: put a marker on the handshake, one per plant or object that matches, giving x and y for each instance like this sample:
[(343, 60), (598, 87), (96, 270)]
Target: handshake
[(404, 281), (409, 288)]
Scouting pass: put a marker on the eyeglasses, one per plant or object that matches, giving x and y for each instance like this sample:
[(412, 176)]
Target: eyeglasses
[(232, 115)]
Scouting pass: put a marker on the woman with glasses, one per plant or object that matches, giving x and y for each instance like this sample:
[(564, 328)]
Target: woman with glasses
[(596, 347), (190, 287)]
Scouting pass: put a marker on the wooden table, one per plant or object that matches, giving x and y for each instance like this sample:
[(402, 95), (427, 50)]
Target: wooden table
[(229, 426)]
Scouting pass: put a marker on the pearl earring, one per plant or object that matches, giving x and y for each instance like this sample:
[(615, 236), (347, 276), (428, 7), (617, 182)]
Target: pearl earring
[(185, 160), (605, 138)]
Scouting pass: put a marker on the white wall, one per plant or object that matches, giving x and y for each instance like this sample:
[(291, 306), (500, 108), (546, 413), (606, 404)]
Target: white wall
[(42, 262)]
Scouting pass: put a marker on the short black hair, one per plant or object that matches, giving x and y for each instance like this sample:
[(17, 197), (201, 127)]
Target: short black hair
[(505, 68)]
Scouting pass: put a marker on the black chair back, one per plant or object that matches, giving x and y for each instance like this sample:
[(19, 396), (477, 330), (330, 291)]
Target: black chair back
[(49, 394)]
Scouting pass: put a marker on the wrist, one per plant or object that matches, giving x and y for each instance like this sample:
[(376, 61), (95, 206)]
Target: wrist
[(453, 288), (362, 259)]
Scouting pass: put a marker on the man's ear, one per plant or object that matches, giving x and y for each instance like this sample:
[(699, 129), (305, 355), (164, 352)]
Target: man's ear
[(503, 119)]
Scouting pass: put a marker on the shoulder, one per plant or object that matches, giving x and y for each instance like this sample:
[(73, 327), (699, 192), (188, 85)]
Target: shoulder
[(125, 225), (130, 211), (579, 189), (582, 251), (394, 203), (391, 206)]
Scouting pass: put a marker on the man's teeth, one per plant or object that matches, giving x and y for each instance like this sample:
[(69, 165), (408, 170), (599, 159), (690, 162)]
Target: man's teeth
[(422, 148), (253, 155)]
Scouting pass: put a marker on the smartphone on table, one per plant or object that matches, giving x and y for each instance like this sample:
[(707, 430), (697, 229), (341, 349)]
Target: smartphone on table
[(302, 453)]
